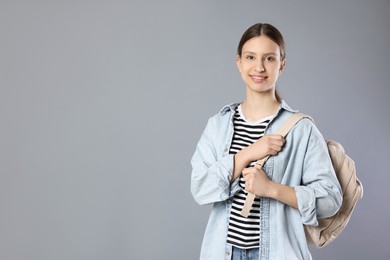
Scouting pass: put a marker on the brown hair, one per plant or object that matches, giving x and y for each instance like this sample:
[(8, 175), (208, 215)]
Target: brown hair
[(271, 32)]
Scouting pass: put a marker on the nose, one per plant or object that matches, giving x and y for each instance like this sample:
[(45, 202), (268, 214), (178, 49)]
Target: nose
[(260, 66)]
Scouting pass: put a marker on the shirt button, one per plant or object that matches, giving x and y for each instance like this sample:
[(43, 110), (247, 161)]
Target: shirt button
[(225, 150), (227, 253)]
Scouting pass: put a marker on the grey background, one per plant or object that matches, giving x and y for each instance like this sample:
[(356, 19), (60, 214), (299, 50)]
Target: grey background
[(102, 104)]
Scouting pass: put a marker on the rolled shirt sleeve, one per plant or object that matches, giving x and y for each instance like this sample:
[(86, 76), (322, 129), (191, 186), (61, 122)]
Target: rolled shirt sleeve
[(211, 172), (320, 194)]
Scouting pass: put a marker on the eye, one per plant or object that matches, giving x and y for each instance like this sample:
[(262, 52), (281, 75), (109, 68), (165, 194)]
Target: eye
[(250, 57), (270, 58)]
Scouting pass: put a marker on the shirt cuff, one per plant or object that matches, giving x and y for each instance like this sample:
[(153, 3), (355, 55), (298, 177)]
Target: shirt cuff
[(307, 205), (226, 164)]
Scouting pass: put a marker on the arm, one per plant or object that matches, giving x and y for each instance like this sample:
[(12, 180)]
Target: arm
[(319, 195), (257, 182), (267, 145), (211, 170)]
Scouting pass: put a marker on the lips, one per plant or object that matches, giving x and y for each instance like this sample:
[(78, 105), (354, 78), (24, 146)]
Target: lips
[(258, 79)]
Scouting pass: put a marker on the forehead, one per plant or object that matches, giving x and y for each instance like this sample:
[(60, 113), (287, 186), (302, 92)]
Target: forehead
[(260, 44)]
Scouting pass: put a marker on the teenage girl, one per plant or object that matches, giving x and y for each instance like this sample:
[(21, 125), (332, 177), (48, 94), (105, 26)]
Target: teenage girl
[(297, 184)]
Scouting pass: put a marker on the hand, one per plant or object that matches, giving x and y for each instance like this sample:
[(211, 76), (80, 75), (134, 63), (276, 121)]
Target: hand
[(267, 145), (256, 181)]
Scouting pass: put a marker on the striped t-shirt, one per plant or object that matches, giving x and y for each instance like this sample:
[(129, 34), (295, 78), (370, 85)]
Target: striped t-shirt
[(244, 232)]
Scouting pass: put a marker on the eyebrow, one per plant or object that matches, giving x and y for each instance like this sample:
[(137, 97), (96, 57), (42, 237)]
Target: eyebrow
[(269, 53)]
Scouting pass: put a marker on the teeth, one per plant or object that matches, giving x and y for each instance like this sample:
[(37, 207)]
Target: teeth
[(259, 78)]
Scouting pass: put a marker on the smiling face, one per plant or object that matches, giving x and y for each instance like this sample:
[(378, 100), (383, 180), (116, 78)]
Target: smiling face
[(260, 65)]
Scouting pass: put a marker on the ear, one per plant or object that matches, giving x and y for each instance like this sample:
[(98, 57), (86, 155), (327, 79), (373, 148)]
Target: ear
[(238, 63), (282, 66)]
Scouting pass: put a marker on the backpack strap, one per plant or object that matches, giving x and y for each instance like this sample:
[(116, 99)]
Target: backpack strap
[(283, 131)]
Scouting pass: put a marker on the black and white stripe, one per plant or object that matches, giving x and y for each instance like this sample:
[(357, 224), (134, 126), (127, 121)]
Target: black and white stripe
[(244, 232)]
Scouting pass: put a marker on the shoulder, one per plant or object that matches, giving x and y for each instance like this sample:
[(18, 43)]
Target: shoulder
[(286, 112), (224, 114), (305, 127), (306, 123), (221, 121)]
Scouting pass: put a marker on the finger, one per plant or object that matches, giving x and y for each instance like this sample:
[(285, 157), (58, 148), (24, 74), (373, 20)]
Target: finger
[(245, 171), (249, 175), (273, 150), (275, 137), (248, 186), (276, 148), (277, 141)]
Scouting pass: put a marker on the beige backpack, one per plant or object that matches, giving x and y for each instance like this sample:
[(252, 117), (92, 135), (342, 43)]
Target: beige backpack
[(328, 228)]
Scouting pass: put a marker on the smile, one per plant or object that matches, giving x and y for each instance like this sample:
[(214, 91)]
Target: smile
[(258, 79)]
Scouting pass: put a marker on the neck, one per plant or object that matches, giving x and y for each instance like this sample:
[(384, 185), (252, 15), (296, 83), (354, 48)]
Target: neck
[(256, 107)]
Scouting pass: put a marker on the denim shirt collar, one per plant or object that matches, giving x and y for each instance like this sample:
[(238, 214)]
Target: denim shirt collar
[(232, 106)]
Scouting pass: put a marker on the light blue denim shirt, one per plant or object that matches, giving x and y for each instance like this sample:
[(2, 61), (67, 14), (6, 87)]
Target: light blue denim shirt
[(303, 163)]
